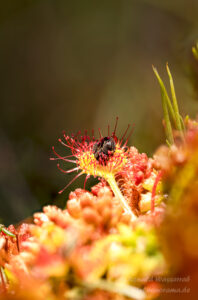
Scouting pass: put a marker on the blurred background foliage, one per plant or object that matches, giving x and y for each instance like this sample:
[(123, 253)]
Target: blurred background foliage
[(77, 65)]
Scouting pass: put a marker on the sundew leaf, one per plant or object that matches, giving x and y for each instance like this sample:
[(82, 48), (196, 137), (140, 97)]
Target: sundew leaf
[(184, 178), (145, 203)]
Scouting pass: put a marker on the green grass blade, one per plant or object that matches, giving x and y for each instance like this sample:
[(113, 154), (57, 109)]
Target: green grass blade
[(168, 127), (178, 123), (165, 105), (195, 51), (182, 124), (163, 90)]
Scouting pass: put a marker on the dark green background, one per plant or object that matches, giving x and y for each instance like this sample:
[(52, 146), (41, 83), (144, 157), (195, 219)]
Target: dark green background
[(77, 65)]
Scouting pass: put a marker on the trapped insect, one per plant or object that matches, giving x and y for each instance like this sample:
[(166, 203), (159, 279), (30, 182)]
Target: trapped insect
[(103, 149)]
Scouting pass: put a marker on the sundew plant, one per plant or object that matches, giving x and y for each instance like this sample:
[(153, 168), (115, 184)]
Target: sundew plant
[(132, 236)]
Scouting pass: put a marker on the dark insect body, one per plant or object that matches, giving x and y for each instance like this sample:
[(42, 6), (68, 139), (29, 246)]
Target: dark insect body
[(103, 149)]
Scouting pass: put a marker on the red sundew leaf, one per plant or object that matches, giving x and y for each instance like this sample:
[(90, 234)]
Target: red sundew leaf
[(48, 264), (45, 258), (88, 262), (23, 235)]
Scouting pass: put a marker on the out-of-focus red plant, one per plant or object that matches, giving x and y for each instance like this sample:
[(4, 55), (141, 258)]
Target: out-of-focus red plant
[(113, 242)]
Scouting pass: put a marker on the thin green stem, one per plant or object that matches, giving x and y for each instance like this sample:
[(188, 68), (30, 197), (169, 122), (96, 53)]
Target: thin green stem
[(113, 184), (2, 228), (3, 279)]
